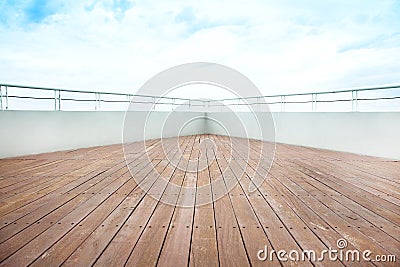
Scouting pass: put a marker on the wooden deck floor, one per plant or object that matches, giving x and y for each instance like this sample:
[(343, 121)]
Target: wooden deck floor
[(82, 207)]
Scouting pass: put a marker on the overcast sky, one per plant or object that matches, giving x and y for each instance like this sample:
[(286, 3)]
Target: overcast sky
[(282, 46)]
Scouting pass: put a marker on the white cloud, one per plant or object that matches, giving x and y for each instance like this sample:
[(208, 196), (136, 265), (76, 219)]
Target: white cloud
[(283, 46)]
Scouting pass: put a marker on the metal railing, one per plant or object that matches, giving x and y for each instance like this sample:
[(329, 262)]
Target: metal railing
[(20, 97), (383, 93)]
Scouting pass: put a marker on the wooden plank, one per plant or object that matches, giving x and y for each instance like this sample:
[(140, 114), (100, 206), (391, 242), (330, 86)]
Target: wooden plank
[(278, 236), (120, 247), (70, 188), (29, 233), (27, 166), (176, 247), (304, 235), (37, 186), (230, 241), (76, 187), (51, 211), (363, 198), (350, 173), (118, 222), (148, 248), (376, 235), (387, 170), (324, 221), (251, 230), (385, 189), (106, 213), (348, 203), (377, 170), (306, 202), (204, 248), (355, 238), (37, 246)]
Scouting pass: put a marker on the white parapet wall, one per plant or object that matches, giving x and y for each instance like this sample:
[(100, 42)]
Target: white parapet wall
[(368, 133), (31, 132)]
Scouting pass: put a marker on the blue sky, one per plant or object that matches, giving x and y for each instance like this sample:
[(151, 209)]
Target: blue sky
[(282, 46)]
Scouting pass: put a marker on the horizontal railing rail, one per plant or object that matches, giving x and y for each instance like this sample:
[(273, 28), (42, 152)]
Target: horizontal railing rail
[(59, 98)]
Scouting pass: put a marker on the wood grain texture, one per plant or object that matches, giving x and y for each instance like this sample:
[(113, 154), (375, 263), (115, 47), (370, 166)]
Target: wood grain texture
[(83, 208)]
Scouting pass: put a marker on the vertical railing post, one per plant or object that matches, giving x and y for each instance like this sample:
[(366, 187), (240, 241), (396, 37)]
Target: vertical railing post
[(314, 102), (354, 100), (1, 97), (6, 87), (59, 100), (282, 103), (96, 101), (128, 100), (99, 101)]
